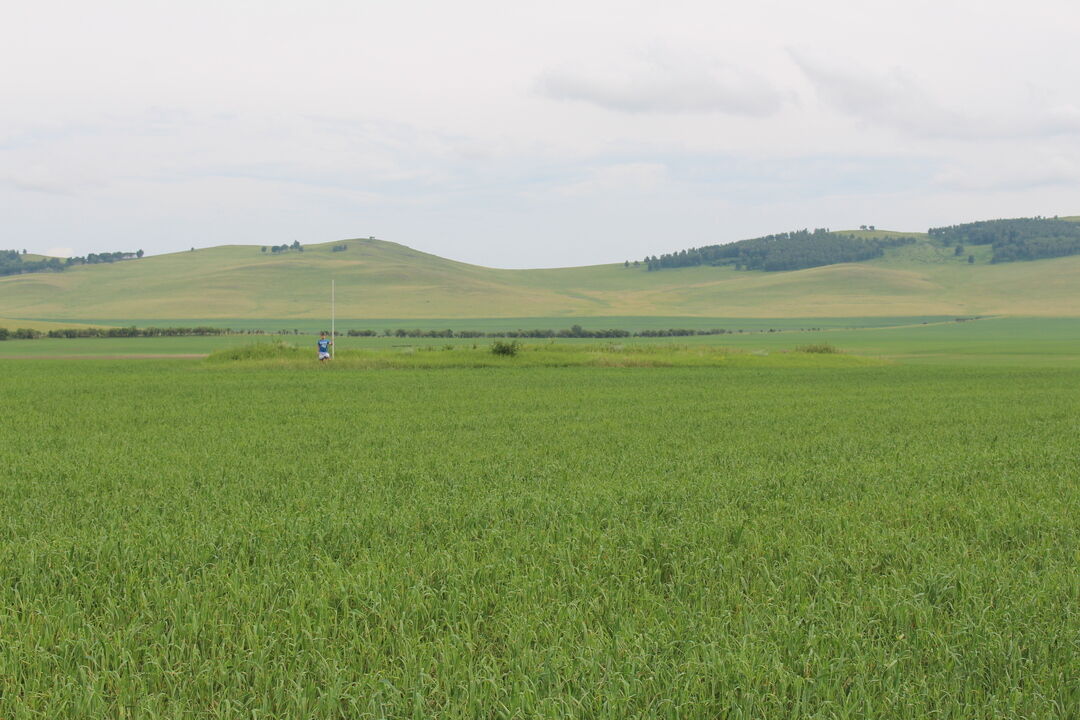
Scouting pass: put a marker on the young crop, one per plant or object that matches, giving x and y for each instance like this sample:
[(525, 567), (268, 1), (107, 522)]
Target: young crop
[(279, 539)]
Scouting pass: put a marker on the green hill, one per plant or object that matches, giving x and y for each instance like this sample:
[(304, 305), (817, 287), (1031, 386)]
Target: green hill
[(378, 279), (1009, 239)]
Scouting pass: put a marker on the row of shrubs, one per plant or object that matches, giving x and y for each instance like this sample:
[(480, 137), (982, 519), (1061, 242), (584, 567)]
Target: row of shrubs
[(19, 334), (573, 332), (501, 347), (114, 332)]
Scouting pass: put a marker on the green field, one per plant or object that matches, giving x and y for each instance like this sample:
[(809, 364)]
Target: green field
[(1017, 341), (377, 279), (784, 535)]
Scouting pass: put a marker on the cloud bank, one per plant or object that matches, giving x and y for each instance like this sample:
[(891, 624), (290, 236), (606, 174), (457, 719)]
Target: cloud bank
[(538, 135), (893, 98)]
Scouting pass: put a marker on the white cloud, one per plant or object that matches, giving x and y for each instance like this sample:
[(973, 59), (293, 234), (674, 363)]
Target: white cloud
[(998, 172), (660, 83), (35, 185), (895, 99), (482, 130), (621, 179)]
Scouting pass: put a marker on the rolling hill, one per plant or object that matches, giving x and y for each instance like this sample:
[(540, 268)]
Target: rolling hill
[(379, 279)]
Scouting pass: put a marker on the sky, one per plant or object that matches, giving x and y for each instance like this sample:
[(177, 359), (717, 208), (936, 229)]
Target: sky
[(527, 134)]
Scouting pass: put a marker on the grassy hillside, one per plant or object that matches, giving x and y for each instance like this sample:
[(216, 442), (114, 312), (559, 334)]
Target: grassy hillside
[(378, 279)]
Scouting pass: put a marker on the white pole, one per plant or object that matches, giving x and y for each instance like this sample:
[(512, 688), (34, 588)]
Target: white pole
[(333, 319)]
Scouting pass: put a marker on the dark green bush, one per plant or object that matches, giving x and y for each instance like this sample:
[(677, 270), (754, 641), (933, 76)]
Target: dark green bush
[(820, 348), (509, 349)]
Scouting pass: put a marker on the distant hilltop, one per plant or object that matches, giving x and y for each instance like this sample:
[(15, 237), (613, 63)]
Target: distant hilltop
[(1010, 240), (969, 269)]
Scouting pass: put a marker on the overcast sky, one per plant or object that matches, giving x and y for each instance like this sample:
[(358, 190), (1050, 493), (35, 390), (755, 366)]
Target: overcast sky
[(527, 134)]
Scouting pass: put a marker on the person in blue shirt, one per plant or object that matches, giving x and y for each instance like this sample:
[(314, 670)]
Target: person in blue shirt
[(324, 347)]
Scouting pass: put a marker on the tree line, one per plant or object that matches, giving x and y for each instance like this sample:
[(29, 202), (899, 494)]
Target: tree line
[(12, 262), (1014, 239), (116, 332), (794, 250), (275, 249), (576, 331)]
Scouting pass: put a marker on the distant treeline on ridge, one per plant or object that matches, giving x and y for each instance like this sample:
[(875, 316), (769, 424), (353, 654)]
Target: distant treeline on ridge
[(1016, 239), (1019, 239), (12, 262), (275, 249), (795, 250)]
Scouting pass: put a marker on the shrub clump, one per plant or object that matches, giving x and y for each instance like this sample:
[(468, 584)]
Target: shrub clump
[(509, 349), (260, 351), (819, 348)]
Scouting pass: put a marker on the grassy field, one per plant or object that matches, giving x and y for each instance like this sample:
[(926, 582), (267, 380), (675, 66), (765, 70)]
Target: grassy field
[(713, 526), (1016, 341), (377, 279), (195, 539)]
